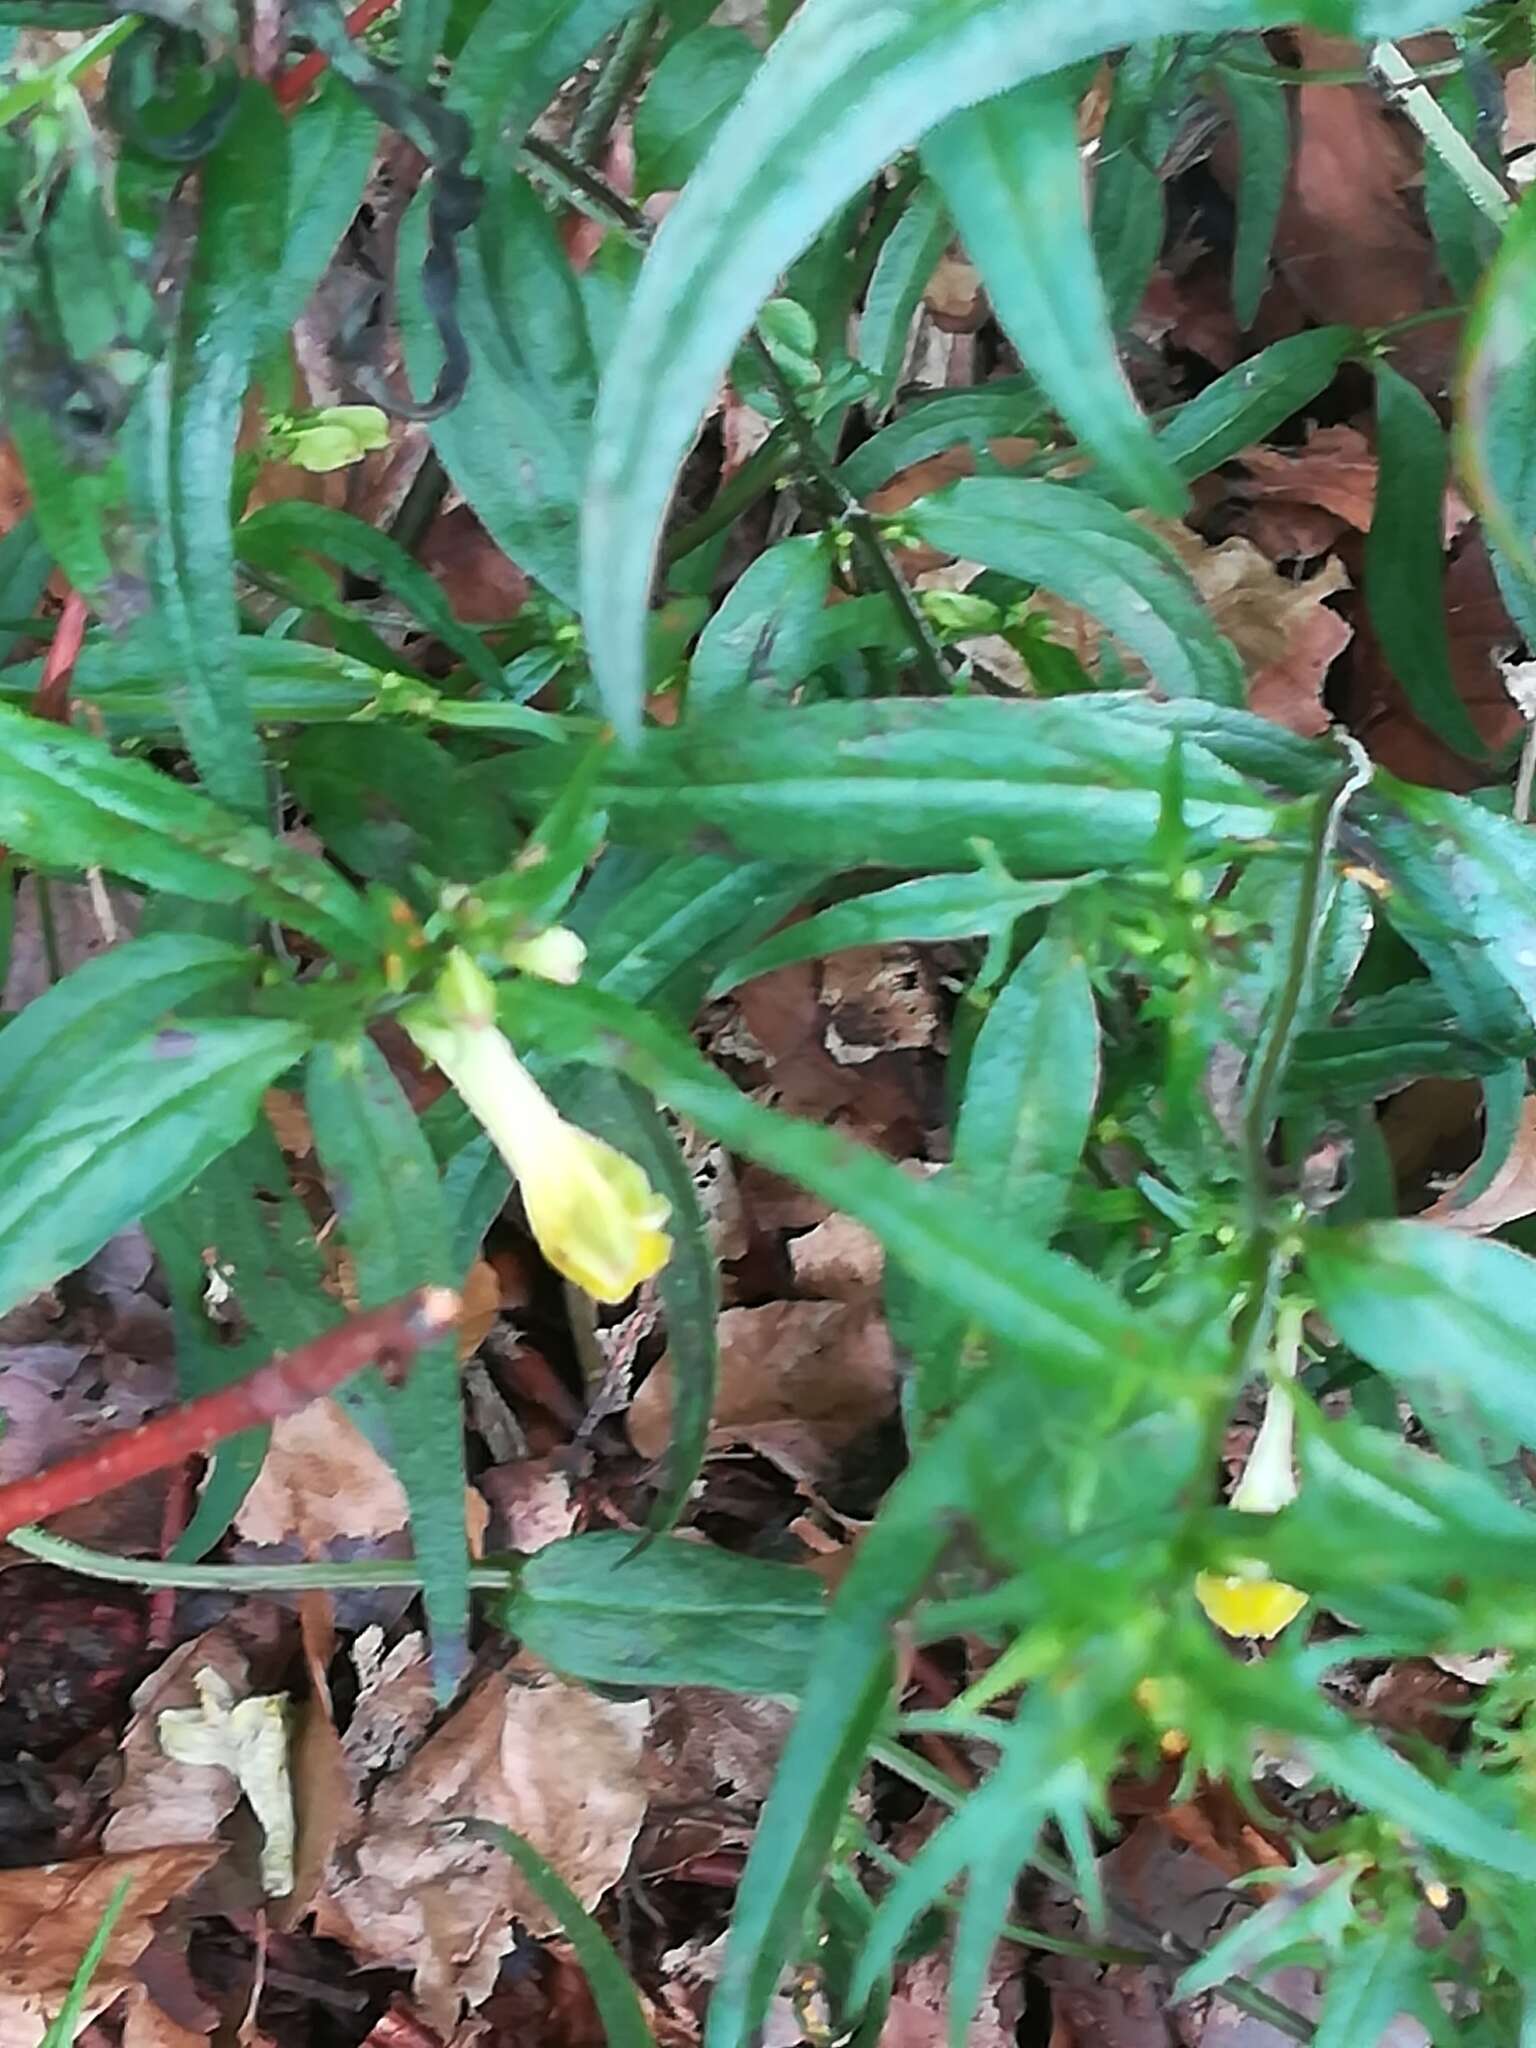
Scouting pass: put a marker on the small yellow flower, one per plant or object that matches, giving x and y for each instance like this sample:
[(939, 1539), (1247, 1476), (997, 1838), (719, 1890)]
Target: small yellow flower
[(597, 1218), (1255, 1607)]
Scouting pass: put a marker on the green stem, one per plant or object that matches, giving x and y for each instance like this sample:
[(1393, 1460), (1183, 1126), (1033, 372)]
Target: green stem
[(1311, 907), (617, 73), (237, 1578), (1403, 87)]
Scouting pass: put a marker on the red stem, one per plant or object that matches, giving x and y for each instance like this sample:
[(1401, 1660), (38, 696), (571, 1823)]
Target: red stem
[(52, 699), (282, 1386), (291, 88)]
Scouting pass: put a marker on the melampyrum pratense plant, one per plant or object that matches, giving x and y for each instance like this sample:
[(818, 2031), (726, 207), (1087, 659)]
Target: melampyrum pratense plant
[(1200, 951)]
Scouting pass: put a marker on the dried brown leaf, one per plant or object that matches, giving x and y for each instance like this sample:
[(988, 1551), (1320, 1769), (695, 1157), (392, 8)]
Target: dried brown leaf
[(48, 1917), (840, 1260), (1510, 1195), (799, 1381), (322, 1480), (556, 1764), (395, 1702)]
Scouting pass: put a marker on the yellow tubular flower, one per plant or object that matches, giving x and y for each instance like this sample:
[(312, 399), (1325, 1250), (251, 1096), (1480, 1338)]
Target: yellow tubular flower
[(597, 1218), (1247, 1602), (1254, 1608)]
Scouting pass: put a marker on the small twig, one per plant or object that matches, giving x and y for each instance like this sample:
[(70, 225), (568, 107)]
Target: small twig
[(1404, 88), (390, 1336), (296, 84), (836, 503), (52, 699)]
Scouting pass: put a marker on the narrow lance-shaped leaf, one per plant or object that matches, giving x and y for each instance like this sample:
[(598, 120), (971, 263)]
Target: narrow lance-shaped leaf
[(673, 1612), (148, 1118), (184, 457), (1405, 559), (689, 1283), (924, 911), (618, 2006), (1444, 1315), (1056, 788), (1263, 123), (394, 1223), (68, 801), (904, 267), (842, 91), (846, 1701), (516, 443), (1495, 432), (1096, 556), (1012, 177)]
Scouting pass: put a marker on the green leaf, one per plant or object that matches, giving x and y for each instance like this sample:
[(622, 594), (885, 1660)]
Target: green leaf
[(1464, 895), (903, 269), (388, 801), (1283, 1927), (1503, 1102), (689, 1283), (1093, 555), (1495, 428), (183, 456), (674, 1612), (516, 443), (1129, 216), (394, 1222), (1067, 1321), (67, 801), (130, 990), (691, 91), (1246, 404), (925, 911), (762, 638), (657, 927), (148, 1117), (938, 420), (1012, 178), (517, 56), (618, 2007), (63, 2029), (25, 566), (1381, 1045), (842, 92), (1024, 1118), (1030, 1091), (269, 535), (1263, 122), (848, 1696), (1056, 788), (1441, 1314), (1380, 1975), (1466, 240), (1405, 559)]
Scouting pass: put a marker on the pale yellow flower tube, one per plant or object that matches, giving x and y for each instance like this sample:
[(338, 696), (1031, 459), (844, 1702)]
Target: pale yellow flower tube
[(597, 1218), (1248, 1602)]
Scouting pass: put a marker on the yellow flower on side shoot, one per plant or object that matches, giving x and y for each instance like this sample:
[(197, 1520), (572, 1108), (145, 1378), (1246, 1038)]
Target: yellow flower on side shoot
[(1247, 1602), (597, 1218)]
